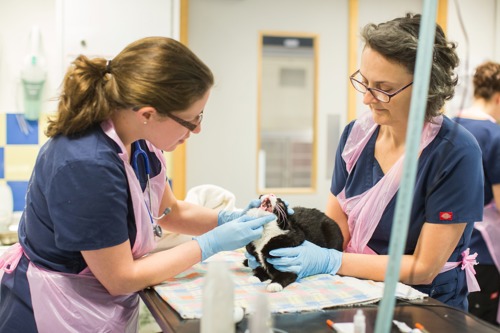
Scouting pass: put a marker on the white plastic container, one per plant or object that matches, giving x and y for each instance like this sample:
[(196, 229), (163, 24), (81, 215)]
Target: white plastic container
[(359, 322), (218, 300), (261, 321)]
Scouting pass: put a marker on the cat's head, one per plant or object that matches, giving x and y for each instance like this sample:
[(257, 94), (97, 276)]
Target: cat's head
[(271, 203)]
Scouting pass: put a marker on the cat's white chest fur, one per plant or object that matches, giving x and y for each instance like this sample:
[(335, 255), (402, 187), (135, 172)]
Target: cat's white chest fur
[(271, 230)]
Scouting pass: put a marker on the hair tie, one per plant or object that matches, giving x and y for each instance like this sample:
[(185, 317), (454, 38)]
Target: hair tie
[(108, 67)]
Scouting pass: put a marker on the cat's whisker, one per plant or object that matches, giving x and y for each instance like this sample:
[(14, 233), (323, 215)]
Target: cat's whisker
[(282, 216)]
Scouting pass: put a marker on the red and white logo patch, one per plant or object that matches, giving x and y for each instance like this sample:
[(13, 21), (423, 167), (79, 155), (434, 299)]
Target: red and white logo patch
[(445, 216)]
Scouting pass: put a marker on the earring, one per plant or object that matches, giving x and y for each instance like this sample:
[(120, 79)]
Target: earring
[(145, 122)]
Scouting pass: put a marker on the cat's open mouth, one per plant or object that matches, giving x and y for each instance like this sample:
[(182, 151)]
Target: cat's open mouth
[(266, 205)]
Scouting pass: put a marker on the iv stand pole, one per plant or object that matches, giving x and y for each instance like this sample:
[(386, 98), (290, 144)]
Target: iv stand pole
[(400, 224)]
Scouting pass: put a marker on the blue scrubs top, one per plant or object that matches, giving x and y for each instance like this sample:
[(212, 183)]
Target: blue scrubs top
[(487, 135), (449, 179), (78, 199)]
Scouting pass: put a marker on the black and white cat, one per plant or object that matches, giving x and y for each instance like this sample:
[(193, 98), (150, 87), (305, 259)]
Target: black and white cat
[(289, 231)]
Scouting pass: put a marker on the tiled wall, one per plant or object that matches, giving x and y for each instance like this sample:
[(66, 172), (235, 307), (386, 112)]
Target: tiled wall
[(18, 151)]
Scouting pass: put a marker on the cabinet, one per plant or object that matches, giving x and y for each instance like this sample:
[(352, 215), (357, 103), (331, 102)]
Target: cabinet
[(103, 28), (288, 161)]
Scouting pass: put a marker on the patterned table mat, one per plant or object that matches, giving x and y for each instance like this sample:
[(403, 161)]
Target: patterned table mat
[(313, 293)]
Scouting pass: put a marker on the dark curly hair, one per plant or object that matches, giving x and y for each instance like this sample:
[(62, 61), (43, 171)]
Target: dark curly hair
[(397, 41)]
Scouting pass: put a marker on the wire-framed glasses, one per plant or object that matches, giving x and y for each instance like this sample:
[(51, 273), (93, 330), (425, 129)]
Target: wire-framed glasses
[(380, 95)]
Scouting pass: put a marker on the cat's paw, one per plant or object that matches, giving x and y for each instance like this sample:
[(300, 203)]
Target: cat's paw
[(274, 287), (253, 279)]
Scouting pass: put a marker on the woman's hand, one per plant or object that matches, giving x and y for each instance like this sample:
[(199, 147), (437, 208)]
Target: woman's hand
[(252, 262), (232, 235), (227, 216), (306, 259)]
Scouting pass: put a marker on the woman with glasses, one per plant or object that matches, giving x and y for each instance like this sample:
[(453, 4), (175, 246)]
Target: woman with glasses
[(98, 195), (448, 193)]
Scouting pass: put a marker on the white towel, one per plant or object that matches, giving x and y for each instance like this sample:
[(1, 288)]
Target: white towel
[(210, 196)]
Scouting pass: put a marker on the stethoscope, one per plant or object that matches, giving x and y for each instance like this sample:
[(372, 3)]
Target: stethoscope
[(138, 151)]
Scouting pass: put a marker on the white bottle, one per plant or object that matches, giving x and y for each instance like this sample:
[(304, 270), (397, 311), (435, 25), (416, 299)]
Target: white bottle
[(359, 322), (218, 300), (261, 321)]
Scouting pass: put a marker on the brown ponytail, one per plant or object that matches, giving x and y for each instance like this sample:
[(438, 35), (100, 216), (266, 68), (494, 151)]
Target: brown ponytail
[(154, 71)]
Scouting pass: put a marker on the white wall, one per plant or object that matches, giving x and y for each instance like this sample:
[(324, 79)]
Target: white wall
[(482, 27), (221, 27), (16, 20), (496, 35), (106, 26), (225, 34)]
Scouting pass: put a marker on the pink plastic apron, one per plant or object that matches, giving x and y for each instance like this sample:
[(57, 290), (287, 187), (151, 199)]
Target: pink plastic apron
[(365, 210), (78, 302)]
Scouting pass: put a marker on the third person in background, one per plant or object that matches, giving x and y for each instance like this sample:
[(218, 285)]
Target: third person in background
[(482, 119)]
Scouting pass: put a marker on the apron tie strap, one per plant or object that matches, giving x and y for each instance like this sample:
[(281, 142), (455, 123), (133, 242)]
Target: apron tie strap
[(10, 259), (468, 261)]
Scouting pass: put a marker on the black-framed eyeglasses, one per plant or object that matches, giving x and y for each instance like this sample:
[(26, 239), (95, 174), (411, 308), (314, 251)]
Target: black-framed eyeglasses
[(378, 94), (189, 125)]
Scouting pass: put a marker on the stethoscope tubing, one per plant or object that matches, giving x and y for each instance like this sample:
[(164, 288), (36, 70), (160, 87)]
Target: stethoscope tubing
[(139, 152)]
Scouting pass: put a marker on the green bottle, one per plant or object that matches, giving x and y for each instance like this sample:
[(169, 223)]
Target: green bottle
[(33, 77)]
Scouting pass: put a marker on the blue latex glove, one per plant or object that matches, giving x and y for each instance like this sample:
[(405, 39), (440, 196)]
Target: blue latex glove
[(252, 262), (227, 216), (256, 203), (232, 235), (306, 259)]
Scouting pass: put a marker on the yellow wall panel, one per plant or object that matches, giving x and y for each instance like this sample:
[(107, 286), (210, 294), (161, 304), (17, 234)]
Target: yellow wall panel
[(42, 126), (19, 161)]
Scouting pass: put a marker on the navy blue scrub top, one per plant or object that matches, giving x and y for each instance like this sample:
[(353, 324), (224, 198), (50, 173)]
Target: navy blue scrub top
[(487, 134), (449, 179), (78, 199)]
